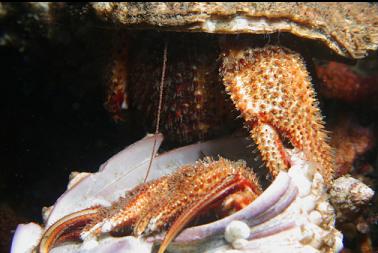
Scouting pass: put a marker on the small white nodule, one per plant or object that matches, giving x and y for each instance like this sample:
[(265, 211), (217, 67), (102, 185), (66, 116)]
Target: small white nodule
[(89, 244), (236, 230), (240, 244)]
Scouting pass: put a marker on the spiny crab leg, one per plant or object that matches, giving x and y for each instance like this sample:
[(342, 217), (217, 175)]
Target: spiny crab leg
[(271, 146), (271, 88), (170, 202), (231, 184)]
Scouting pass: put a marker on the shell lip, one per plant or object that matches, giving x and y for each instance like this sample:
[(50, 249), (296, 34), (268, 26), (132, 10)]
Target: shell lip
[(273, 201)]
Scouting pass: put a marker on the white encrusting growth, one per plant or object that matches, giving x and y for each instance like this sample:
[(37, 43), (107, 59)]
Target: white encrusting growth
[(236, 230), (209, 25), (306, 225), (26, 237), (89, 244)]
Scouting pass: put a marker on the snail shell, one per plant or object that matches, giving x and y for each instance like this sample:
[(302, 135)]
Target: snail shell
[(292, 214)]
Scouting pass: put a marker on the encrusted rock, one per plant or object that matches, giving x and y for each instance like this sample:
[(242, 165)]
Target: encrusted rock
[(350, 29)]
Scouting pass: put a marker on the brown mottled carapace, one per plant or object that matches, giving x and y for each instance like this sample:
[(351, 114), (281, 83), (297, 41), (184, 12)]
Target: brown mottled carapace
[(195, 104)]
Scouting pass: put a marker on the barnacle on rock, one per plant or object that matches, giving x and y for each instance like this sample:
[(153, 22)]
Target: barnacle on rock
[(348, 195)]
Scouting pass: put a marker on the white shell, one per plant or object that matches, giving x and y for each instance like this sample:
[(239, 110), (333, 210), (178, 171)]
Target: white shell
[(280, 220), (349, 195), (292, 215), (26, 237)]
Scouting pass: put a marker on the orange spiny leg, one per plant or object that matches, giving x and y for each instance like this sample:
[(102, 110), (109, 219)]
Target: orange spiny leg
[(168, 202), (66, 228), (187, 186), (120, 218), (272, 89), (228, 186), (271, 147)]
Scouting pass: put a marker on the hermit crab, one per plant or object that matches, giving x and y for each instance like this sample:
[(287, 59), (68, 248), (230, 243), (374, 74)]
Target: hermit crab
[(237, 66), (291, 214), (267, 82)]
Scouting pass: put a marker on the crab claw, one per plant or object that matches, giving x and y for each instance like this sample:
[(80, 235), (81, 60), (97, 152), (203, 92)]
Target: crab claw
[(236, 185), (170, 202), (271, 88)]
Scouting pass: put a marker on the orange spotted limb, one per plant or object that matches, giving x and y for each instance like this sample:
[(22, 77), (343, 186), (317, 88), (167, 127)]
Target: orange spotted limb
[(272, 90), (270, 146), (166, 204)]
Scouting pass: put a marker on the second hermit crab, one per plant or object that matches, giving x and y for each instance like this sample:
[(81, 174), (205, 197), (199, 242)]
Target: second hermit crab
[(267, 82)]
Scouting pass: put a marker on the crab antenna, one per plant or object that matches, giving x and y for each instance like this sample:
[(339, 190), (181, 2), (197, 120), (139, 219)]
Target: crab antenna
[(163, 70)]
